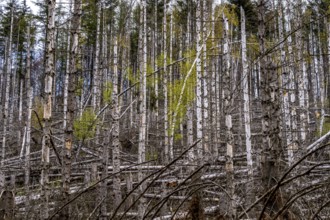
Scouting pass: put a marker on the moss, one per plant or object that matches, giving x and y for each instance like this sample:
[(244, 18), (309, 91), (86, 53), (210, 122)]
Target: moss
[(38, 113), (150, 155), (107, 92), (325, 128), (85, 126)]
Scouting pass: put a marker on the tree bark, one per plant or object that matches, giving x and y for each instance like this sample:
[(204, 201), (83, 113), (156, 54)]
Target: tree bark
[(47, 117), (115, 131), (205, 78), (165, 87), (29, 92), (246, 112), (68, 132), (143, 110), (199, 104), (96, 71), (7, 88), (270, 155), (228, 122)]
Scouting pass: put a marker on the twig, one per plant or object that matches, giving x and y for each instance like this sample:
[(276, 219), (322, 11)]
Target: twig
[(92, 187), (160, 172)]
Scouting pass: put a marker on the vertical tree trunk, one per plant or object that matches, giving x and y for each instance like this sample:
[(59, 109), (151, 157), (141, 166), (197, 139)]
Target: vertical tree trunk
[(20, 108), (170, 92), (291, 89), (66, 76), (165, 85), (68, 132), (302, 82), (115, 131), (7, 88), (205, 79), (143, 110), (157, 75), (199, 113), (96, 71), (286, 114), (321, 79), (47, 117), (270, 154), (190, 112), (328, 49), (246, 112), (214, 119), (29, 92), (314, 71), (228, 121)]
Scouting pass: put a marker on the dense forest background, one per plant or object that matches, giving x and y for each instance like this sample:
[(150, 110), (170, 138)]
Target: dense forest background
[(165, 109)]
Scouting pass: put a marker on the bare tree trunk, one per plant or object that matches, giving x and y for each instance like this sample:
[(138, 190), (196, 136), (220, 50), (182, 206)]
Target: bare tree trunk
[(170, 92), (7, 90), (247, 120), (156, 82), (68, 135), (1, 80), (321, 79), (47, 117), (270, 155), (115, 131), (228, 122), (302, 82), (143, 110), (291, 89), (314, 70), (66, 77), (20, 108), (165, 85), (96, 71), (214, 119), (190, 112), (205, 79), (29, 92), (199, 112)]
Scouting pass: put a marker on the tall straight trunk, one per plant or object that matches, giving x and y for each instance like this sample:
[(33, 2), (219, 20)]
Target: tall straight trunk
[(96, 71), (218, 101), (1, 79), (115, 130), (291, 88), (156, 82), (302, 82), (7, 89), (20, 108), (15, 83), (205, 100), (228, 122), (285, 78), (328, 49), (199, 112), (170, 82), (321, 79), (29, 92), (105, 58), (314, 71), (270, 155), (190, 112), (143, 110), (214, 119), (66, 77), (165, 84), (13, 95), (246, 111), (47, 117), (68, 132)]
